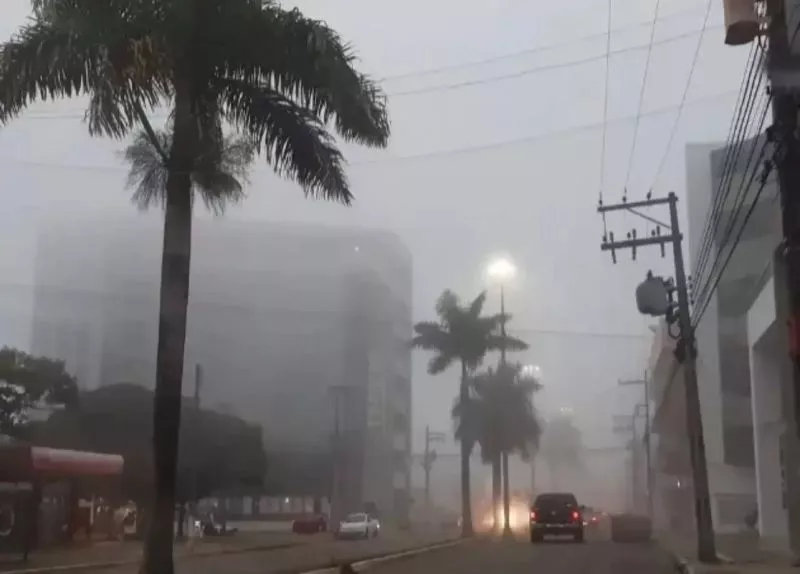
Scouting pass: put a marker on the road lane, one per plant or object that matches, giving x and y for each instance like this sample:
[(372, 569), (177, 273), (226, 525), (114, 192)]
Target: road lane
[(492, 556), (321, 552)]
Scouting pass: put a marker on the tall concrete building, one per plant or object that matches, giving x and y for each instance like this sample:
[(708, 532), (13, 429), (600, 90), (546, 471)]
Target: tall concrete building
[(300, 328), (742, 439)]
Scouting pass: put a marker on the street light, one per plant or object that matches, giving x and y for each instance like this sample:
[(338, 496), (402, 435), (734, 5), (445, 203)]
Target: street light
[(502, 270)]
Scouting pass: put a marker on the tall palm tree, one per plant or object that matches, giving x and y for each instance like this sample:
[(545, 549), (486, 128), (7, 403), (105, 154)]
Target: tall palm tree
[(275, 75), (500, 416), (462, 334)]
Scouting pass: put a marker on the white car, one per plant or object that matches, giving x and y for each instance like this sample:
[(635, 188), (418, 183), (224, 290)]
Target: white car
[(358, 525)]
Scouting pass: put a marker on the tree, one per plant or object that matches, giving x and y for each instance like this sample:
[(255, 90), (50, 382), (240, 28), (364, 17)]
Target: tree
[(27, 381), (561, 446), (217, 452), (500, 414), (278, 77), (463, 335)]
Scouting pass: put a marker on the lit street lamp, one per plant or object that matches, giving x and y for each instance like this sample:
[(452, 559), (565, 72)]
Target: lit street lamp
[(502, 270)]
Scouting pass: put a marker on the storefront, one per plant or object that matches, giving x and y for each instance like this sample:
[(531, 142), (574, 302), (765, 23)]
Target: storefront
[(50, 496)]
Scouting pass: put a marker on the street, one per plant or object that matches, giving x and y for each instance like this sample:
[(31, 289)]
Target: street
[(597, 555)]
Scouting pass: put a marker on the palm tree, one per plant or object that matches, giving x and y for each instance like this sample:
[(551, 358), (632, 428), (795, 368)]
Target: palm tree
[(500, 416), (462, 335), (275, 75)]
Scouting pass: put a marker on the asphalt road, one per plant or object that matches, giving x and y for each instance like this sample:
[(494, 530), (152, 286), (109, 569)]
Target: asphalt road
[(318, 551), (597, 555)]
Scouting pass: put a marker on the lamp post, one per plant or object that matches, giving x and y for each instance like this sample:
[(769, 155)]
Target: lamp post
[(500, 271)]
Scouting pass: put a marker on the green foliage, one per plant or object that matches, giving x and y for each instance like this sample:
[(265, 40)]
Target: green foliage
[(274, 75), (218, 178), (499, 413), (217, 452), (25, 381), (462, 334)]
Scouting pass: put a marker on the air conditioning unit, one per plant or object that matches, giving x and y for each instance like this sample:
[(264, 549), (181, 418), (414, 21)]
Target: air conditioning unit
[(741, 21)]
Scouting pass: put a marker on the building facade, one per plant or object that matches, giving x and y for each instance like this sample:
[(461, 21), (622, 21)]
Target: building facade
[(295, 327), (741, 358)]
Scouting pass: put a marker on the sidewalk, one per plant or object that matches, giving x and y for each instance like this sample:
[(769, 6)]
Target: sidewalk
[(739, 554), (117, 553)]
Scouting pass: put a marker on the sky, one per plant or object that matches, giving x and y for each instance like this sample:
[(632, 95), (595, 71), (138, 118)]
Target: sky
[(498, 129)]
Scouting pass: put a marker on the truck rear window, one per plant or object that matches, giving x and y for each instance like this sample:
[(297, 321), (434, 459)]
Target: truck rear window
[(555, 501)]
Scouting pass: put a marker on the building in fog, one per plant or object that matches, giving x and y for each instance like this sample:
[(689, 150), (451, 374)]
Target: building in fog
[(739, 352), (300, 328)]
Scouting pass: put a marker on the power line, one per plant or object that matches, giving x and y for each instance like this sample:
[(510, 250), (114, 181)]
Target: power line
[(546, 67), (528, 51), (731, 164), (707, 290), (744, 105), (605, 114), (674, 129), (641, 97), (426, 155), (462, 84)]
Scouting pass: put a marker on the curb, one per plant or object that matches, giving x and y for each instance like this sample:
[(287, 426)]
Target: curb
[(365, 564), (89, 566)]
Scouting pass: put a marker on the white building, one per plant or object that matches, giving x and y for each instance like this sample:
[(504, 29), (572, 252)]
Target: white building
[(741, 359), (280, 317)]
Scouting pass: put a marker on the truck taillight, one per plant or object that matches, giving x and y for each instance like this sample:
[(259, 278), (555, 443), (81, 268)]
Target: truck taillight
[(576, 515), (533, 516)]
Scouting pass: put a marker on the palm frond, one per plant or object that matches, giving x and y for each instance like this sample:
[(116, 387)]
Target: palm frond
[(308, 62), (476, 307), (440, 363), (218, 183), (430, 336), (52, 58), (495, 342), (292, 139)]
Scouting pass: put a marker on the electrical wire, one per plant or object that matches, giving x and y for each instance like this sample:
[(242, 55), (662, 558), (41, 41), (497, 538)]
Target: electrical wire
[(674, 129), (418, 156), (469, 83), (733, 148), (527, 51), (710, 287), (641, 97), (605, 120)]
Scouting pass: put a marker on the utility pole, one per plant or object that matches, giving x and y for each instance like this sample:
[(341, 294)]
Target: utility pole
[(427, 464), (686, 353), (785, 86), (647, 438), (625, 425)]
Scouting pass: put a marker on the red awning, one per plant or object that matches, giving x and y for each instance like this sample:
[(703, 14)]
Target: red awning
[(74, 462)]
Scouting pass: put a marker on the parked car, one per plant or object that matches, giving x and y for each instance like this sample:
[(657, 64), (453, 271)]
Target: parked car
[(310, 524), (358, 525)]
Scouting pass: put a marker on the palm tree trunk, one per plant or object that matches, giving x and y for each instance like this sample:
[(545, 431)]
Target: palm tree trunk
[(497, 488), (466, 495), (506, 497), (174, 300)]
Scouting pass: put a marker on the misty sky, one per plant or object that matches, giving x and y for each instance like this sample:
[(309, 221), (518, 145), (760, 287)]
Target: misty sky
[(501, 156)]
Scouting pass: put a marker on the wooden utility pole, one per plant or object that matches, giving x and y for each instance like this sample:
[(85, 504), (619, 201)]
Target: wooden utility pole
[(686, 353), (647, 438)]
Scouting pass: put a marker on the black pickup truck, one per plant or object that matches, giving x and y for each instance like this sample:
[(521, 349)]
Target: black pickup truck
[(556, 513)]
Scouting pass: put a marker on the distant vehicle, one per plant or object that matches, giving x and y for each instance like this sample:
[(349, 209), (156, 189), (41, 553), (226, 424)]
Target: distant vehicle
[(310, 524), (591, 516), (556, 513), (358, 525)]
